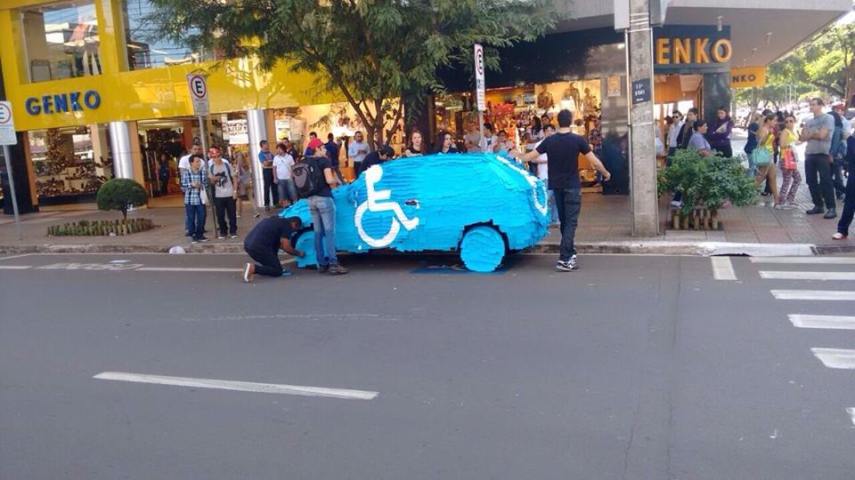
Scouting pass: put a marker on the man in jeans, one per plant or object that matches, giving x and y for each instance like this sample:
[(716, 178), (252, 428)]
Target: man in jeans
[(194, 181), (322, 207), (269, 191), (562, 155), (817, 133), (221, 176)]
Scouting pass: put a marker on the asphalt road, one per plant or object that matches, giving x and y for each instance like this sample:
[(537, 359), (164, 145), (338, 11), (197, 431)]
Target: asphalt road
[(631, 368)]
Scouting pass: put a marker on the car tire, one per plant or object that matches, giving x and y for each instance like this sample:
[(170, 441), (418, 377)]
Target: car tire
[(482, 249), (306, 242)]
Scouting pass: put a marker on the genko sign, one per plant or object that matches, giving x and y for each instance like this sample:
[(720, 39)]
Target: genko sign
[(63, 103), (692, 49)]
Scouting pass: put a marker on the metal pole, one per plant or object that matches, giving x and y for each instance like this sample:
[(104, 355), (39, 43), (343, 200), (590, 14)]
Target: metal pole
[(480, 126), (202, 139), (12, 191)]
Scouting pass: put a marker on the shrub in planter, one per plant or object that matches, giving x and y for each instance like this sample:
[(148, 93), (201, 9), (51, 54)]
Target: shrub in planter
[(101, 227), (121, 194), (707, 183)]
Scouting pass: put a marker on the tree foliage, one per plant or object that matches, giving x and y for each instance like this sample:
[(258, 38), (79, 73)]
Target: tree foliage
[(121, 194), (373, 51), (707, 181)]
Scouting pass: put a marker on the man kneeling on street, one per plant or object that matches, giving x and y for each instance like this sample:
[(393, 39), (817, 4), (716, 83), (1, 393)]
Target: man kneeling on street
[(263, 244)]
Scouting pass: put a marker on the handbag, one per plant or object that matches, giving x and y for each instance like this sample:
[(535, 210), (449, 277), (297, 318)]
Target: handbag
[(761, 157), (203, 196), (789, 159)]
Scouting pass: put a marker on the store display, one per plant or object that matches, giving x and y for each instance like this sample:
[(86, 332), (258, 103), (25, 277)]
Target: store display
[(64, 163)]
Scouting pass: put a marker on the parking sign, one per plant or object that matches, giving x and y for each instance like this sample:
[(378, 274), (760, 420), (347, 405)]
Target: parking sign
[(7, 126), (198, 93), (480, 98)]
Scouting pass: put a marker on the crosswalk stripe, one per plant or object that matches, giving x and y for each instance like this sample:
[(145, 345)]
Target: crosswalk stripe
[(784, 275), (821, 295), (851, 412), (835, 357), (806, 260), (722, 268), (15, 267), (830, 322)]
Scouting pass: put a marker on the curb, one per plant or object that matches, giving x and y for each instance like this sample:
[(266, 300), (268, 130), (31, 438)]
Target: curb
[(634, 247)]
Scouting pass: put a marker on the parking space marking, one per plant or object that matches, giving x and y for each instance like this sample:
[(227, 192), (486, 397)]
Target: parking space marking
[(830, 322), (835, 357), (722, 268), (820, 295), (806, 260), (851, 412), (783, 275), (282, 389)]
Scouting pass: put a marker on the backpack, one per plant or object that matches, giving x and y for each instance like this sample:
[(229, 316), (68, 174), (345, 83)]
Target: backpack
[(308, 177), (838, 146)]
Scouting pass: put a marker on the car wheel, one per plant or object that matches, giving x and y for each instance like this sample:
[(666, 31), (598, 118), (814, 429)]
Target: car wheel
[(306, 243), (482, 249)]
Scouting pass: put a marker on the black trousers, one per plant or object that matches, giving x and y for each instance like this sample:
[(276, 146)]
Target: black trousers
[(726, 151), (837, 177), (818, 177), (569, 203), (848, 206), (267, 260), (271, 192), (226, 206)]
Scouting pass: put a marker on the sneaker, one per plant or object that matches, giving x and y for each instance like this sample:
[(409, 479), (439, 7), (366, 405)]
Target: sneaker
[(248, 272), (233, 237), (221, 237), (831, 213), (202, 239), (188, 234), (839, 236), (194, 241), (790, 206), (257, 215), (676, 204), (779, 206), (815, 211), (337, 270), (286, 272), (566, 266), (323, 268), (237, 216)]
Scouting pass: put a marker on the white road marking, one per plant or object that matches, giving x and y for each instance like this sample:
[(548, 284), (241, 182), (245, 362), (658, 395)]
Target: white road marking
[(188, 269), (851, 412), (15, 267), (783, 275), (822, 295), (806, 260), (722, 268), (831, 322), (305, 391), (17, 256), (835, 357)]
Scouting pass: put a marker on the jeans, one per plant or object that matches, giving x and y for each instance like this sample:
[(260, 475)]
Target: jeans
[(323, 223), (848, 206), (223, 206), (553, 209), (195, 220), (822, 189), (569, 203), (267, 261), (270, 194), (837, 177), (287, 190)]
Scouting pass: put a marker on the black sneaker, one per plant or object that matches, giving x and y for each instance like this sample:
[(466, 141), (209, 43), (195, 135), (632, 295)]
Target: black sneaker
[(323, 268), (566, 266), (221, 237), (815, 211), (831, 213), (202, 239)]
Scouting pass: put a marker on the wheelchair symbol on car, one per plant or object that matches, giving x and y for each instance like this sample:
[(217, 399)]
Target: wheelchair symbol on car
[(378, 202)]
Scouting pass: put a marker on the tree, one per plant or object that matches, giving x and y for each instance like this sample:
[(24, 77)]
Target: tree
[(120, 194), (825, 62), (375, 52)]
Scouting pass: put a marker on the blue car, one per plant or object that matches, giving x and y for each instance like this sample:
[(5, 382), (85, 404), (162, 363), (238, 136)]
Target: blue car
[(480, 205)]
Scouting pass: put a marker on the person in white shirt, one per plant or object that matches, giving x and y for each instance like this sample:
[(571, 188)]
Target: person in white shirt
[(489, 142), (543, 173), (674, 131), (184, 161), (282, 163), (357, 150), (472, 140)]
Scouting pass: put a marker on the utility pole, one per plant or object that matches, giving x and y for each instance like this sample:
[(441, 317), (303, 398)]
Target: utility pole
[(642, 168)]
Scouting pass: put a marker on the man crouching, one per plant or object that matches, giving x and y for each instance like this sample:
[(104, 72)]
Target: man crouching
[(263, 244)]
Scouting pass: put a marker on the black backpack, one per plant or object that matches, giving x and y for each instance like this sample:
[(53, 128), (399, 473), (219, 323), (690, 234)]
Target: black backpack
[(308, 177)]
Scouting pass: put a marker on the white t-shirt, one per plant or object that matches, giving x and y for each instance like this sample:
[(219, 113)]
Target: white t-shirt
[(673, 132), (486, 144), (357, 151), (542, 168), (283, 164)]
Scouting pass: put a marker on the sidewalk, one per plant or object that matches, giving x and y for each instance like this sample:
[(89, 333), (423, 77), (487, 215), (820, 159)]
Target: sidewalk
[(605, 227)]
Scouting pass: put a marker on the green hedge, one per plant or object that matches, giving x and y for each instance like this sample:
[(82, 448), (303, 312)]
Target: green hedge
[(86, 228)]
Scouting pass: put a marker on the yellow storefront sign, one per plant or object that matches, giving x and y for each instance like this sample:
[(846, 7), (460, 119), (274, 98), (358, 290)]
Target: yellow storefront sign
[(747, 77)]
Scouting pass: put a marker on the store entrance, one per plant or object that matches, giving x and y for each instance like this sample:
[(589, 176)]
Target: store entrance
[(162, 142)]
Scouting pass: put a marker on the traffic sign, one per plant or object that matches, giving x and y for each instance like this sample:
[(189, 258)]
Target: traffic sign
[(480, 95), (7, 125), (198, 93)]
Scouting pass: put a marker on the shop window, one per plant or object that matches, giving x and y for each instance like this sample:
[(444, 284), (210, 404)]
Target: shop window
[(61, 40), (147, 45), (70, 163)]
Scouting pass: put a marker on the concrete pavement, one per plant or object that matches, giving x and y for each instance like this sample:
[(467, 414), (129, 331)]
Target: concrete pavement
[(635, 367)]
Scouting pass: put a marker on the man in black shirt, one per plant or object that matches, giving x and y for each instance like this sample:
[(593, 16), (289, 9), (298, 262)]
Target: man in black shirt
[(562, 158), (382, 154), (263, 244)]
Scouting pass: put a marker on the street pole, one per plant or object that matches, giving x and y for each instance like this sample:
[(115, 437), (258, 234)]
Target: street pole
[(643, 178), (211, 191), (12, 190)]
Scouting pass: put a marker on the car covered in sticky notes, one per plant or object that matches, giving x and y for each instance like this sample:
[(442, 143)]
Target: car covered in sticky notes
[(482, 206)]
